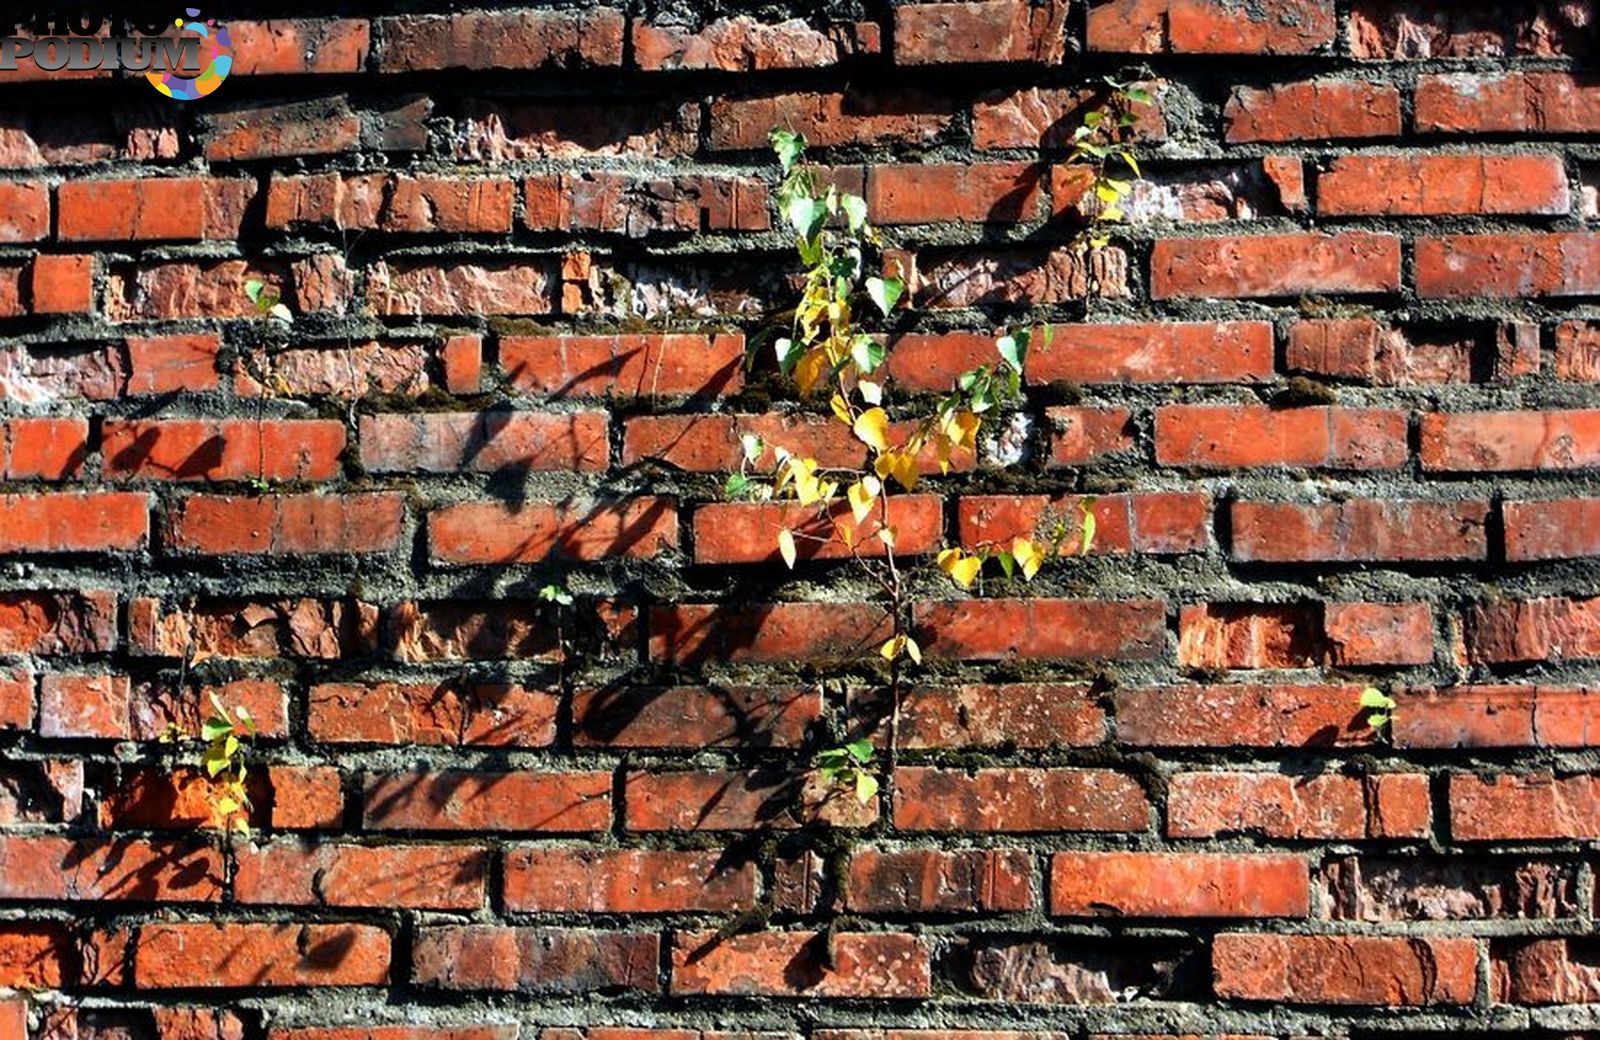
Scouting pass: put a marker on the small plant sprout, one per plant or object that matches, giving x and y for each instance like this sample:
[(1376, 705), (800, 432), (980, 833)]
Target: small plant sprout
[(849, 767), (268, 301), (223, 760), (1379, 707), (557, 594)]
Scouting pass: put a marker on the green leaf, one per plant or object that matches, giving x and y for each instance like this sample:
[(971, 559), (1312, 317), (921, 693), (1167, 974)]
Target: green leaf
[(804, 214), (736, 486), (1378, 719), (227, 806), (789, 146), (1008, 563), (1374, 698), (1088, 530), (1139, 96), (855, 210), (860, 750), (252, 289), (885, 292), (866, 787), (1011, 350), (867, 353), (216, 728)]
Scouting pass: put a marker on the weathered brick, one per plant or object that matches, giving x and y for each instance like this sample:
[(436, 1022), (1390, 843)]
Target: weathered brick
[(484, 442), (1245, 436), (1524, 807), (1439, 185), (1210, 27), (448, 713), (434, 291), (1543, 971), (1080, 436), (699, 633), (828, 119), (1020, 800), (1237, 715), (625, 881), (222, 449), (1359, 530), (1312, 110), (180, 955), (71, 522), (530, 39), (535, 960), (1509, 266), (46, 867), (170, 364), (307, 628), (26, 209), (455, 631), (458, 800), (1041, 629), (744, 44), (298, 873), (1370, 351), (1158, 522), (980, 31), (747, 532), (757, 800), (1275, 265), (666, 365), (1507, 103), (1454, 888), (1021, 714), (1305, 969), (1405, 29), (1045, 117), (1555, 529), (1497, 716), (52, 623), (285, 525), (924, 881), (299, 46), (1140, 884), (625, 716), (491, 532), (1378, 633), (1324, 806), (876, 965)]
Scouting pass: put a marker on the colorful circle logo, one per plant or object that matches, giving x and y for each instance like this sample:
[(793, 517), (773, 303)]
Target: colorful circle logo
[(216, 51)]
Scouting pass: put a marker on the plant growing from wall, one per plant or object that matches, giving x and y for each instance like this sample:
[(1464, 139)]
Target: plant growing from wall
[(829, 351)]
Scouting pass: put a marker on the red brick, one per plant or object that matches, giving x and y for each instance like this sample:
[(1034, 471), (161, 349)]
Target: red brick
[(691, 633), (36, 956), (1507, 441), (1018, 800), (175, 799), (1553, 529), (972, 193), (484, 442), (1542, 971), (1194, 352), (1439, 185), (1309, 969), (1359, 530), (297, 873), (354, 371), (828, 119), (222, 449), (465, 631), (535, 960), (980, 31), (625, 881), (1370, 351), (1029, 715), (1378, 633), (169, 364), (876, 965), (1158, 522), (1209, 27), (177, 289), (1275, 265), (1015, 275), (1250, 635), (1548, 629), (924, 881), (16, 699), (1403, 29), (1143, 884), (25, 206), (433, 714), (1246, 436), (84, 706), (456, 800), (49, 791), (306, 798), (1497, 716), (285, 525), (315, 126), (51, 623), (694, 716), (1507, 103), (1243, 716), (393, 203), (62, 285), (380, 1032), (12, 290), (1312, 110), (713, 443), (668, 365), (743, 44), (501, 130), (154, 705), (739, 801), (41, 448), (45, 867), (1081, 436), (746, 532), (429, 291), (462, 360), (297, 46), (1041, 629), (67, 522), (1045, 117), (1326, 806), (151, 208), (1524, 807), (1578, 351), (1509, 266), (502, 40), (307, 628), (491, 532), (637, 205), (180, 955)]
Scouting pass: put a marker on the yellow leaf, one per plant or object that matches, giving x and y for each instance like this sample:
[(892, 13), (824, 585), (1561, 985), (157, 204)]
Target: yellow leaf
[(840, 409), (1028, 557), (809, 370), (891, 649), (913, 651), (861, 500), (872, 426), (963, 569), (900, 465), (786, 546), (887, 535)]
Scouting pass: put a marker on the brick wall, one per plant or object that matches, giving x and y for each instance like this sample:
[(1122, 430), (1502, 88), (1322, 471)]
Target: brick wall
[(1337, 400)]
